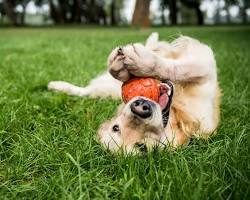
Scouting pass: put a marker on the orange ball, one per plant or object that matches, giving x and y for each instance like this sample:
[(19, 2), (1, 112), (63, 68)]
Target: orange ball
[(146, 87)]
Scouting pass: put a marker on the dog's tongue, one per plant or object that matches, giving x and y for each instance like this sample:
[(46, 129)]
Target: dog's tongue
[(163, 101)]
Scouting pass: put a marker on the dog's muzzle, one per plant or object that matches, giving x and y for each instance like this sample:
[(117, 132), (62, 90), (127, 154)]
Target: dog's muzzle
[(142, 108)]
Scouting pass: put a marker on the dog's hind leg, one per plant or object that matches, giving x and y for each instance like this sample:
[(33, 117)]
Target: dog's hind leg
[(68, 88), (102, 86), (152, 40)]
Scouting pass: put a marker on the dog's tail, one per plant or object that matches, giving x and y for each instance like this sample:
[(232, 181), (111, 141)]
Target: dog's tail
[(152, 39)]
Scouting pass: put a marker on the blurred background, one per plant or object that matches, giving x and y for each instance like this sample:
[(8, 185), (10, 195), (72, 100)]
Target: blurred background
[(123, 12)]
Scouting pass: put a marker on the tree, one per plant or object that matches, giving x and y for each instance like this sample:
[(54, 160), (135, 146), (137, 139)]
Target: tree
[(217, 18), (9, 7), (55, 12), (14, 17), (163, 8), (244, 7), (2, 11), (141, 13), (195, 4), (24, 4), (112, 13), (229, 3), (76, 11), (173, 10), (114, 8)]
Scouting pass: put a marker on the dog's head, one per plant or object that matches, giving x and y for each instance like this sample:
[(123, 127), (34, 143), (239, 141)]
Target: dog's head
[(139, 124)]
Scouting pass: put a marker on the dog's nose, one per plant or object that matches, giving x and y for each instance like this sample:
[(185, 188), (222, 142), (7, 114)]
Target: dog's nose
[(142, 108)]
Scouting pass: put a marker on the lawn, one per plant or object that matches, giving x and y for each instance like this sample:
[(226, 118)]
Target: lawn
[(47, 140)]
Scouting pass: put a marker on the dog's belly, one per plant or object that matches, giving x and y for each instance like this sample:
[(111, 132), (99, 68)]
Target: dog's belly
[(198, 101), (202, 110)]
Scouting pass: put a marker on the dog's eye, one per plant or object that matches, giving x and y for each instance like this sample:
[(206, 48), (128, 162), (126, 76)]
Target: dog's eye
[(116, 128)]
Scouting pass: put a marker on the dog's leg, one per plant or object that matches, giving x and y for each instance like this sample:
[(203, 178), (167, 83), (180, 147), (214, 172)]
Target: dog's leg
[(68, 88), (184, 69), (152, 40), (102, 86), (197, 62)]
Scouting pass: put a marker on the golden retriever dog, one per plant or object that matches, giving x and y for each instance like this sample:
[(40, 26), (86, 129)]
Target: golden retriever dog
[(189, 101)]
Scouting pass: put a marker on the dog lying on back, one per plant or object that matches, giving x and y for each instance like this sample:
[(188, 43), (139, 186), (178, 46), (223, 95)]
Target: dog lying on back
[(189, 68)]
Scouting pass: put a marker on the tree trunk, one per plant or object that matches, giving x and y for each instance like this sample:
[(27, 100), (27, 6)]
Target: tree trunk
[(2, 12), (217, 17), (141, 13), (173, 12), (196, 6), (163, 20), (23, 14), (112, 13), (200, 18), (243, 12), (92, 15), (101, 14), (55, 13), (9, 6), (62, 10), (228, 13), (76, 11)]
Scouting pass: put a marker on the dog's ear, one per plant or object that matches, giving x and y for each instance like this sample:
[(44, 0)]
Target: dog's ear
[(152, 40)]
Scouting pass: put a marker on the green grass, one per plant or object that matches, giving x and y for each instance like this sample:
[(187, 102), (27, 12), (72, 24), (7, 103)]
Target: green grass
[(47, 144)]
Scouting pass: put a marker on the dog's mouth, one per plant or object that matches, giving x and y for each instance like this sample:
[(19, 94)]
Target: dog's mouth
[(143, 108), (165, 99), (166, 93)]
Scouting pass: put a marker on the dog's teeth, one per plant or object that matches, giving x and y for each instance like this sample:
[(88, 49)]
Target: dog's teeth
[(169, 92)]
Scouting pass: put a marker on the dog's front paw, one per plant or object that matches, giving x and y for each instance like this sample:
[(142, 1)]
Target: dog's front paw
[(133, 59), (116, 65), (139, 60)]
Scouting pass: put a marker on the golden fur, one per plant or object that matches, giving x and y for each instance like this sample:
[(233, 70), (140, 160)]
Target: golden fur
[(195, 107)]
